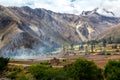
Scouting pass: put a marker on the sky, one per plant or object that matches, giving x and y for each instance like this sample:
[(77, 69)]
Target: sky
[(68, 6)]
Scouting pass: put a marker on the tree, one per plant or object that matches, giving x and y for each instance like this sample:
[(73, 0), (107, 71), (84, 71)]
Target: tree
[(92, 46), (72, 46), (84, 70), (112, 70), (116, 40), (104, 42), (109, 40), (3, 63), (81, 47)]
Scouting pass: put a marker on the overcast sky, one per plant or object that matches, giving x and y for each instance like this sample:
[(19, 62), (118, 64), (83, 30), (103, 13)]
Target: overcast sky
[(67, 6)]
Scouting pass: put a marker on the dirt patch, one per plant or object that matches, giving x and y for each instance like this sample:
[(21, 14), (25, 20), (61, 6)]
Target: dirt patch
[(100, 60)]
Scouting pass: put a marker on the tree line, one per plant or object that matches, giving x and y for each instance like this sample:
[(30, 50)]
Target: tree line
[(81, 69)]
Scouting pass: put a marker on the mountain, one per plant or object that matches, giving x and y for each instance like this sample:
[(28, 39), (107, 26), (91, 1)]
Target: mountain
[(85, 13), (113, 32), (101, 11), (109, 12), (43, 30)]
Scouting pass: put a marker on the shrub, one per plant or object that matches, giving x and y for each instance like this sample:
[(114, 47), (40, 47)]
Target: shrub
[(43, 72), (24, 76), (29, 76), (108, 53), (11, 75), (12, 71), (38, 71), (45, 63), (112, 70), (55, 74), (18, 73), (84, 70)]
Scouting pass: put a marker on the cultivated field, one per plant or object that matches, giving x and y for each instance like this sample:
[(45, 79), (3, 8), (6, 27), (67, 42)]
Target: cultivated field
[(100, 60)]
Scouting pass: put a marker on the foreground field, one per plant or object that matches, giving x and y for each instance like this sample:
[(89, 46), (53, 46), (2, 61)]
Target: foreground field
[(100, 60), (72, 67)]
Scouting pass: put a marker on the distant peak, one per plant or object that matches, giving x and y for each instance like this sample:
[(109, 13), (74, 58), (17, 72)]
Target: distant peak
[(99, 11), (85, 13), (95, 10), (109, 12)]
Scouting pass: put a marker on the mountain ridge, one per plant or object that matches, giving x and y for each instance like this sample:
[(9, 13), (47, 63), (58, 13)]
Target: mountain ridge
[(113, 32), (41, 28)]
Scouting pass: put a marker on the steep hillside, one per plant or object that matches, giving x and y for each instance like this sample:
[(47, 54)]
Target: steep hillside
[(113, 32), (12, 36), (44, 30)]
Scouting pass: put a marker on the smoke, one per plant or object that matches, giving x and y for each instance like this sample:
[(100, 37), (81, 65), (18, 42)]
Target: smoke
[(40, 53)]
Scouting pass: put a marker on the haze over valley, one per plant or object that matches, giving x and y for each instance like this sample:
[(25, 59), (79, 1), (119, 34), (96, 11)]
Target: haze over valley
[(28, 32)]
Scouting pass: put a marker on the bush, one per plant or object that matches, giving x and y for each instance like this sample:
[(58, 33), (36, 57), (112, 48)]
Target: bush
[(12, 71), (29, 76), (24, 76), (38, 71), (55, 74), (3, 63), (114, 46), (84, 70), (108, 53), (21, 76), (11, 75), (112, 70), (43, 72), (45, 63), (18, 73)]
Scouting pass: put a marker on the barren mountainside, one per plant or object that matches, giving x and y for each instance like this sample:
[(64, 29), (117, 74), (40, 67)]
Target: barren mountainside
[(41, 28), (113, 32)]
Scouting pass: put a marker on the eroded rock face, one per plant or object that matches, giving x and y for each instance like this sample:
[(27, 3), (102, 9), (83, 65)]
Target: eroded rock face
[(40, 28)]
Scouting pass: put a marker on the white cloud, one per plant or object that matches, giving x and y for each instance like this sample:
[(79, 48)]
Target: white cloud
[(67, 6)]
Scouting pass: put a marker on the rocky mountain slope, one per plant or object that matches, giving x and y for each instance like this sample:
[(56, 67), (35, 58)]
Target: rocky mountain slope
[(46, 30), (113, 32)]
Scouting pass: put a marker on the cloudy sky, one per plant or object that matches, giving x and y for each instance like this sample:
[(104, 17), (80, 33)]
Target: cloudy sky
[(67, 6)]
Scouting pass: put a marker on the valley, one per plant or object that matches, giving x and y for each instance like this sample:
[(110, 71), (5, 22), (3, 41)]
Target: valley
[(29, 32), (59, 39)]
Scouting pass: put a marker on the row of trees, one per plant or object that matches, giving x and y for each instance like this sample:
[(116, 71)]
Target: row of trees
[(111, 40), (81, 69), (93, 43)]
